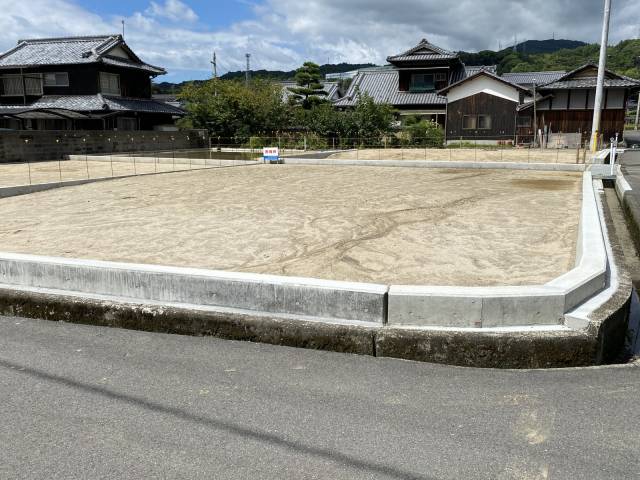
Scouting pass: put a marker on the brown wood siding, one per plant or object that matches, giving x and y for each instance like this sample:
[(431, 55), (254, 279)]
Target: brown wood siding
[(85, 80), (501, 111), (573, 121)]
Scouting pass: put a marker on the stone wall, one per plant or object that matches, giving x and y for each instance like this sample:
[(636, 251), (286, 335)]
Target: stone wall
[(20, 146)]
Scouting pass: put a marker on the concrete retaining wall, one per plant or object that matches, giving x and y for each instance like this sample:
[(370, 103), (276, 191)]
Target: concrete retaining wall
[(505, 306), (630, 199), (417, 305), (308, 313), (267, 294), (39, 145)]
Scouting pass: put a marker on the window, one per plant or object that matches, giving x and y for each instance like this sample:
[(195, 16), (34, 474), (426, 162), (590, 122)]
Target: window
[(56, 79), (127, 124), (110, 83), (524, 122), (18, 85), (484, 122), (476, 122), (12, 85), (469, 122), (421, 82), (440, 77)]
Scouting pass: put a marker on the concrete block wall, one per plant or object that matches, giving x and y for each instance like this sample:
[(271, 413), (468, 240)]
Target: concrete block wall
[(43, 145)]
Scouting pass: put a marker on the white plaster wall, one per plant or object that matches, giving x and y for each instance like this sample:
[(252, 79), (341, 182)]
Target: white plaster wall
[(483, 84)]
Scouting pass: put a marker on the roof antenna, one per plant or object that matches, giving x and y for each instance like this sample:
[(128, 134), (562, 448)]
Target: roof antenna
[(123, 28)]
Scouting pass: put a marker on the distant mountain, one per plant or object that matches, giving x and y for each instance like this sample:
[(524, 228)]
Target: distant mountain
[(544, 55), (282, 75), (546, 46), (529, 47), (275, 75)]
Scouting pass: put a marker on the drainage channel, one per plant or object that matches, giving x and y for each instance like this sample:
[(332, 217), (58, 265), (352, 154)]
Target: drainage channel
[(632, 343)]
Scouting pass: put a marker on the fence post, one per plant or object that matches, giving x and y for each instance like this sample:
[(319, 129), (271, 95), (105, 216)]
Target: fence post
[(59, 162), (110, 155), (187, 137), (86, 157), (26, 157), (173, 153), (135, 169)]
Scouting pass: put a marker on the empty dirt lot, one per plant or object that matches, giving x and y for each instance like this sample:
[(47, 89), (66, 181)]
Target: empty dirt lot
[(371, 224)]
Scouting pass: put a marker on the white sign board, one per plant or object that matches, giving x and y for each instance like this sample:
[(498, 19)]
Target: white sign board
[(271, 154)]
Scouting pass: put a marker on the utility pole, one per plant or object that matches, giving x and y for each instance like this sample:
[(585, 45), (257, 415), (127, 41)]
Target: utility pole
[(638, 111), (122, 28), (214, 62), (597, 107), (535, 114), (246, 76)]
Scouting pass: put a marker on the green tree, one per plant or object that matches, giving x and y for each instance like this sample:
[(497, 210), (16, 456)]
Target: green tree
[(230, 109), (426, 133), (310, 90), (370, 119)]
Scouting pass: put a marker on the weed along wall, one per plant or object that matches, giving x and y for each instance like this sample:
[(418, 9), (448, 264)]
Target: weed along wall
[(18, 146)]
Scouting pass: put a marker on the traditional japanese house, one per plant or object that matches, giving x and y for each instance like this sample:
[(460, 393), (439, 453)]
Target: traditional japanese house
[(89, 83), (411, 82), (565, 105), (483, 107)]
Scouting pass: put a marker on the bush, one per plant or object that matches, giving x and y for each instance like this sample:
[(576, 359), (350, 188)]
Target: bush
[(424, 133)]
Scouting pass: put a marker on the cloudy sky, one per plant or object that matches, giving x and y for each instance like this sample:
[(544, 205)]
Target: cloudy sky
[(280, 34)]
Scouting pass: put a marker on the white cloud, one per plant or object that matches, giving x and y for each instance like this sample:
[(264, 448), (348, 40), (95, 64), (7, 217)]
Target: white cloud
[(173, 10), (281, 34)]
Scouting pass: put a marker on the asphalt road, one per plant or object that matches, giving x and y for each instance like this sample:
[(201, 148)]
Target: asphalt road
[(86, 402)]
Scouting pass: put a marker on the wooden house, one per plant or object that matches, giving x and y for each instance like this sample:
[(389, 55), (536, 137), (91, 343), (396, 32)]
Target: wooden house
[(566, 104), (410, 82), (94, 83), (483, 107)]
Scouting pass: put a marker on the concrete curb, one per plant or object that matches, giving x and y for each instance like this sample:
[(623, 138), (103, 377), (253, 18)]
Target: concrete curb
[(630, 200), (495, 349), (556, 167), (264, 294)]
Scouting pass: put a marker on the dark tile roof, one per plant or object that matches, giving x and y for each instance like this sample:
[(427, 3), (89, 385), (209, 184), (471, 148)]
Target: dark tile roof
[(529, 78), (424, 51), (98, 103), (72, 51), (591, 82), (382, 86), (570, 80), (473, 69), (486, 73)]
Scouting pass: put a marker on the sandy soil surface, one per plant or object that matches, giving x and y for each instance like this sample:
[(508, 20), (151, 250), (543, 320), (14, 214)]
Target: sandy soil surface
[(12, 174), (372, 224), (463, 155)]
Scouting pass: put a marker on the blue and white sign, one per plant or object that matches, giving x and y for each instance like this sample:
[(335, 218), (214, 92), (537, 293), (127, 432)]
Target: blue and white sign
[(271, 154)]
